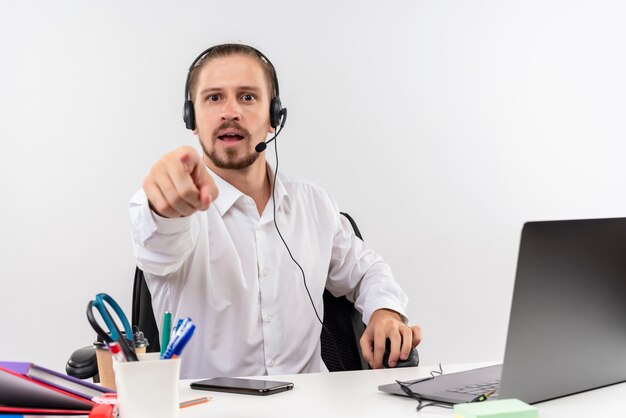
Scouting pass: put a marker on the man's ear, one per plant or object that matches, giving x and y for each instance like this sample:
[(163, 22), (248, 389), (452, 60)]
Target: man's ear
[(195, 131), (271, 129)]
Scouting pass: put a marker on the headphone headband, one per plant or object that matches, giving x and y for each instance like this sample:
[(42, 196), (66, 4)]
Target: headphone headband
[(277, 112)]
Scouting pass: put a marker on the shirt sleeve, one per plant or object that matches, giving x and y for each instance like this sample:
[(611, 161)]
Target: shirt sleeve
[(161, 245), (360, 274)]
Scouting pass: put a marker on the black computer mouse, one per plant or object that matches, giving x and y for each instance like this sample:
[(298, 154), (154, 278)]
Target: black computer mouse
[(411, 361)]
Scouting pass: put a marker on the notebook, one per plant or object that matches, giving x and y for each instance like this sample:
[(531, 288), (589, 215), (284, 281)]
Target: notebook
[(567, 329), (61, 381)]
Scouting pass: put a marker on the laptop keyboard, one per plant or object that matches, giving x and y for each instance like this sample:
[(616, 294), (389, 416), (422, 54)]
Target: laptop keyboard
[(479, 388)]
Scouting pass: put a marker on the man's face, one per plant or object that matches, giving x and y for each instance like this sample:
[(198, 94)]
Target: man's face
[(232, 110)]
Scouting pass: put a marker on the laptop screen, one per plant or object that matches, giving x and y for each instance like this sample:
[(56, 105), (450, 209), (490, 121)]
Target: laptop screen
[(567, 328)]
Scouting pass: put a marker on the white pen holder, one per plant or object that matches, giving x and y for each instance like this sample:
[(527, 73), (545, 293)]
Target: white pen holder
[(148, 387)]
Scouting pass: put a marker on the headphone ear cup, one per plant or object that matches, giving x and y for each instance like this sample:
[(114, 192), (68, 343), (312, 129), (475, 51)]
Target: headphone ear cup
[(275, 112), (189, 115)]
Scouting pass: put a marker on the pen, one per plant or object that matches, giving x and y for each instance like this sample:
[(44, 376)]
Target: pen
[(182, 342), (180, 339), (484, 396), (167, 331), (116, 352), (178, 324)]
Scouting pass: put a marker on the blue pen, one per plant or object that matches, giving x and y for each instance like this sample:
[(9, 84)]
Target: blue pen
[(177, 345), (181, 325), (187, 322), (184, 339), (178, 327), (178, 324)]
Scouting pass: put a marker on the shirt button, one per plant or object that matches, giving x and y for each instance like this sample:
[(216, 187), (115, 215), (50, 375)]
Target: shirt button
[(265, 271), (268, 318), (270, 363)]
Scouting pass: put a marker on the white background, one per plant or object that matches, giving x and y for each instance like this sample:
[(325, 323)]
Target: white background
[(441, 126)]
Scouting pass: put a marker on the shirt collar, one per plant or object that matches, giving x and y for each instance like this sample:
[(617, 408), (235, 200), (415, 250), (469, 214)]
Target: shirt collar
[(229, 194)]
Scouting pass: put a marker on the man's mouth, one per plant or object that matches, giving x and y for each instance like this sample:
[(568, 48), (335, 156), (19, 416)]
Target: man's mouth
[(230, 137)]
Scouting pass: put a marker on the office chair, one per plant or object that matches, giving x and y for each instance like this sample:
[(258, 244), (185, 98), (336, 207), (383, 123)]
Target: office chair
[(340, 350)]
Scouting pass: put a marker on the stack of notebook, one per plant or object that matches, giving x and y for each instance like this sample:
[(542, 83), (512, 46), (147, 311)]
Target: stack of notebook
[(26, 388)]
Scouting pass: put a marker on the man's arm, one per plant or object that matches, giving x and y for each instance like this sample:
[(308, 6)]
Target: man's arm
[(163, 230), (362, 275)]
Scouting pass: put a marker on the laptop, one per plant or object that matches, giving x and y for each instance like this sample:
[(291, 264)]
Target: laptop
[(567, 327)]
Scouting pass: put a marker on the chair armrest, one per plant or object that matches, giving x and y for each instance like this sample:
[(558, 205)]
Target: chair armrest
[(82, 363)]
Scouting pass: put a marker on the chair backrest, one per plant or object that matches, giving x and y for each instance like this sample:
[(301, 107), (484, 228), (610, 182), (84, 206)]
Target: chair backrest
[(339, 352), (143, 314), (341, 349)]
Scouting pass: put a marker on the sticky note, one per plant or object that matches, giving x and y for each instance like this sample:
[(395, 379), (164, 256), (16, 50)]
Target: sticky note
[(503, 408)]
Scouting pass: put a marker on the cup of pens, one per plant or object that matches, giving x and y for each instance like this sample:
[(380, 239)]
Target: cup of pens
[(149, 387)]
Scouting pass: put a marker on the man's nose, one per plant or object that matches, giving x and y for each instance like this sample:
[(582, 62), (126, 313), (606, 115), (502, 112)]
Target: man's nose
[(231, 110)]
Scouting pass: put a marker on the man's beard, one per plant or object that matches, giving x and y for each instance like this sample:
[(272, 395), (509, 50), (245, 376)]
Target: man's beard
[(230, 160)]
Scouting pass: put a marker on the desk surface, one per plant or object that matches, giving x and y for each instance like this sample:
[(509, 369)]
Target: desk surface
[(355, 394)]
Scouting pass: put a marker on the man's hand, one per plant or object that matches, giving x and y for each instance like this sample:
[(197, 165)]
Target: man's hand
[(179, 185), (385, 323)]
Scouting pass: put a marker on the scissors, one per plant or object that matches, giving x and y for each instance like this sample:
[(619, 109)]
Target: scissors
[(114, 334)]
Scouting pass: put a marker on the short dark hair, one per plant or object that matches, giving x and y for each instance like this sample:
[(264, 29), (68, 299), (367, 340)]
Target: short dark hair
[(225, 50)]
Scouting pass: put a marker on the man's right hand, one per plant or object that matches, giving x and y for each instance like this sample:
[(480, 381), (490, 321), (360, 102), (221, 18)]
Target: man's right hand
[(179, 185)]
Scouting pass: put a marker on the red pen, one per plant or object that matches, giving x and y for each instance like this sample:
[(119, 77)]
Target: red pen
[(116, 352)]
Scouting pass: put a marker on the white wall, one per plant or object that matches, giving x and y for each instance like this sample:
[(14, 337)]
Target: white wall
[(440, 125)]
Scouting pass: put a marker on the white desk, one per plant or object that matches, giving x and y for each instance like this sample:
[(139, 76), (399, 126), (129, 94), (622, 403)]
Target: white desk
[(355, 394)]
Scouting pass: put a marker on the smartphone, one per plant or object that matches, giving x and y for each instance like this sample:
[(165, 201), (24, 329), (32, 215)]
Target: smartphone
[(239, 385)]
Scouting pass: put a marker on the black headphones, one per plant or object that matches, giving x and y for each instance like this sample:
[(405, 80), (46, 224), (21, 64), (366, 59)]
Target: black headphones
[(278, 114)]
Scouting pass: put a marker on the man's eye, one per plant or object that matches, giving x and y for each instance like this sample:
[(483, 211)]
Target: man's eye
[(213, 98), (247, 98)]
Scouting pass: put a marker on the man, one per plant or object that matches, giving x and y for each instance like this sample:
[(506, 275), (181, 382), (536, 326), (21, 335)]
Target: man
[(221, 260)]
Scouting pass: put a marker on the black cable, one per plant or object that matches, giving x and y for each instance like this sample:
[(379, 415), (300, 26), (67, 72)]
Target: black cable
[(421, 404), (332, 339)]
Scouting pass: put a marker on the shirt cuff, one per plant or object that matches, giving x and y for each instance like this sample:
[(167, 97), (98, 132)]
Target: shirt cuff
[(147, 223), (170, 225), (390, 304)]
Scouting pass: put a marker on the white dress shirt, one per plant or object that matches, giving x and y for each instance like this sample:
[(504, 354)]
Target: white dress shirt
[(228, 270)]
